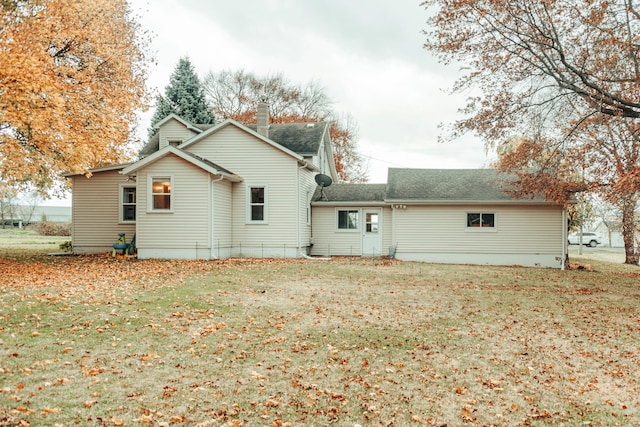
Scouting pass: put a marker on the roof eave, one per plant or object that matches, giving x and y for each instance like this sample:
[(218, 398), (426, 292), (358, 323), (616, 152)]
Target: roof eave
[(354, 203), (133, 168), (97, 170), (469, 202)]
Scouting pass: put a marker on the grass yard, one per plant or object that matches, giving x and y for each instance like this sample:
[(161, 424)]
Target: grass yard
[(115, 342), (27, 241)]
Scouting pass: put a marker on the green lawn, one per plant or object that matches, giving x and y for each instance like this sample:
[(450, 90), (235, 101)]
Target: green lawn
[(13, 240), (344, 342)]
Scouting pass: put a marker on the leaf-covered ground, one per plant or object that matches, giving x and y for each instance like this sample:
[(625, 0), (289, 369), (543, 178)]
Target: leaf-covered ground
[(103, 341)]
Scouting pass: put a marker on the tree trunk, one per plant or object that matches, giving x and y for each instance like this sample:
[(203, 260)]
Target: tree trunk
[(629, 230)]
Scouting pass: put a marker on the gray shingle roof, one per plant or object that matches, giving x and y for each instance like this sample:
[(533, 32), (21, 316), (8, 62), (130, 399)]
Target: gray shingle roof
[(446, 185), (352, 193), (424, 185), (301, 138), (151, 146)]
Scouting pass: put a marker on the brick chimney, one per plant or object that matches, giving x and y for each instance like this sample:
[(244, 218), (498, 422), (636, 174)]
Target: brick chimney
[(263, 118)]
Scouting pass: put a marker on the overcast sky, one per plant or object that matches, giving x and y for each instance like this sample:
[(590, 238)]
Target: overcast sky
[(367, 54)]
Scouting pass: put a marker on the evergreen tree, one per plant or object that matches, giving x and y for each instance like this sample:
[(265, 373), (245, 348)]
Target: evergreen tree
[(184, 96)]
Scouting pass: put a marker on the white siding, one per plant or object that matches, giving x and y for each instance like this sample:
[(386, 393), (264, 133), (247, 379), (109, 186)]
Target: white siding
[(173, 130), (329, 241), (185, 232), (525, 235), (259, 164), (222, 213), (95, 208), (307, 187)]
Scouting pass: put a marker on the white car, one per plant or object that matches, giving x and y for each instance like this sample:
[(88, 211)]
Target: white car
[(588, 239)]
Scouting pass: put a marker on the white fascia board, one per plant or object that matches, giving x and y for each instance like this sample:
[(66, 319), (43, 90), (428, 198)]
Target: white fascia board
[(179, 153)]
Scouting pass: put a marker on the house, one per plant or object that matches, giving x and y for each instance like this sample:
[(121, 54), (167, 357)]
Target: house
[(231, 190)]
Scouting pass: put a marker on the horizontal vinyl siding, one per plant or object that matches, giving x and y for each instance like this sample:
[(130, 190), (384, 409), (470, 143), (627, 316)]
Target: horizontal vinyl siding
[(327, 240), (519, 229), (222, 207), (258, 164), (187, 227), (307, 188), (95, 209), (387, 230), (173, 130)]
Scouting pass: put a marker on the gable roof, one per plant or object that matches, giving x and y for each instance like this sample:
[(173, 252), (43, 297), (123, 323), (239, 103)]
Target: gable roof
[(231, 122), (186, 123), (302, 139), (198, 161)]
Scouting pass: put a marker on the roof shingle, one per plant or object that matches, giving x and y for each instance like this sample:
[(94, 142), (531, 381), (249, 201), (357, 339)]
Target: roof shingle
[(446, 185)]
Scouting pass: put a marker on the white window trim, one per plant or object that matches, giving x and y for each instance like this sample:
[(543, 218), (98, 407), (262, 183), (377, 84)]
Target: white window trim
[(348, 230), (121, 203), (265, 220), (150, 208), (493, 229)]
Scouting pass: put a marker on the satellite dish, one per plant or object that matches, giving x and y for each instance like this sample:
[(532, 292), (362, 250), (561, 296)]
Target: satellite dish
[(323, 180)]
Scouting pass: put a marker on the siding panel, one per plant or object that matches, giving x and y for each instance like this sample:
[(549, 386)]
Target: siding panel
[(259, 164), (173, 130), (522, 235), (186, 231), (95, 208)]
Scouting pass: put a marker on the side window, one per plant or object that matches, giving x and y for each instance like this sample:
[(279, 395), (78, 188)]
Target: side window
[(127, 203), (161, 193), (257, 204), (481, 219), (348, 219)]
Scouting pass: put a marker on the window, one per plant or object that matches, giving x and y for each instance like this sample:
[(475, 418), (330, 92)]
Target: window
[(174, 143), (127, 203), (347, 220), (161, 193), (371, 222), (481, 220), (257, 204)]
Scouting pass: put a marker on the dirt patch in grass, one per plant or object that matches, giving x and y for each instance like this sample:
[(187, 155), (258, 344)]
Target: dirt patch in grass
[(93, 340)]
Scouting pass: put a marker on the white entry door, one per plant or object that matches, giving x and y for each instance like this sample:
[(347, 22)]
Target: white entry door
[(372, 233)]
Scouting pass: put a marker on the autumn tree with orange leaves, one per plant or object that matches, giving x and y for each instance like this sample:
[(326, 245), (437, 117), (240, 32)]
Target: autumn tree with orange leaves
[(72, 78), (555, 81), (236, 95)]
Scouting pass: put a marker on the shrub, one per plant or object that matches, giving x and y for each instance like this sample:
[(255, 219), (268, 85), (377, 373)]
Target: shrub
[(66, 246), (46, 228)]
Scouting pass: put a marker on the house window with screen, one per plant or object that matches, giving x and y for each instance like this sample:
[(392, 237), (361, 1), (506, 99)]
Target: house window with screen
[(481, 219), (257, 204), (347, 220), (128, 209), (161, 193)]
